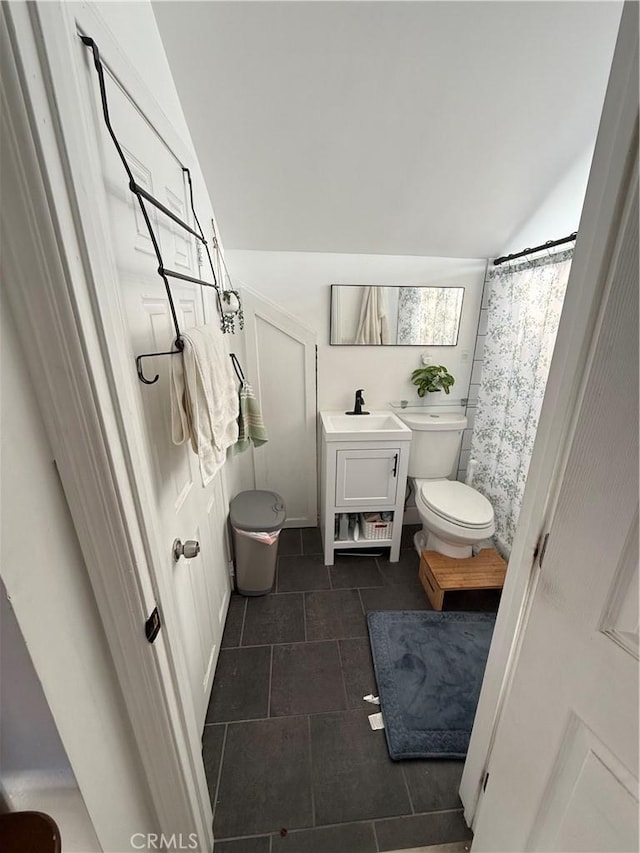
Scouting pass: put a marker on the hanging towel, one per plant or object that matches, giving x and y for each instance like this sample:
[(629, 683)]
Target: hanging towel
[(204, 402), (372, 325), (251, 427)]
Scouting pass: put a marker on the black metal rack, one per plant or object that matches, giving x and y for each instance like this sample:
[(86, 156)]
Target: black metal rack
[(143, 196)]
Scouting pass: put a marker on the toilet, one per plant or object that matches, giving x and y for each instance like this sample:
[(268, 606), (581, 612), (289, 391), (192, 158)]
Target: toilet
[(454, 516)]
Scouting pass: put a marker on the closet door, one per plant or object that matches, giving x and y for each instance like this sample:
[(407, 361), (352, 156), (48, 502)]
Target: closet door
[(183, 508)]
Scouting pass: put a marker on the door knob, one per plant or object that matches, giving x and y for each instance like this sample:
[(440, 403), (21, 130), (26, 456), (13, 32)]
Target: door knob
[(188, 549)]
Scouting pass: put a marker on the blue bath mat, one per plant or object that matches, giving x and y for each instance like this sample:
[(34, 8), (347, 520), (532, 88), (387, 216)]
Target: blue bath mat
[(429, 668)]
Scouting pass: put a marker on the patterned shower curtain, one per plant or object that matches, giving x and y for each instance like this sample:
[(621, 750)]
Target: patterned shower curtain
[(525, 303), (429, 315)]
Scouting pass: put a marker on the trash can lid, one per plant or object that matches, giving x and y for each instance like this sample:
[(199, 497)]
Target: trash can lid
[(257, 510)]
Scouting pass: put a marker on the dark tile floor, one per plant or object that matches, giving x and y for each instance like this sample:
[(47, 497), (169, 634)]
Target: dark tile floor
[(291, 761)]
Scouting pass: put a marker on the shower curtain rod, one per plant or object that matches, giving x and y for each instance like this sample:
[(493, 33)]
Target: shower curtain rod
[(548, 245)]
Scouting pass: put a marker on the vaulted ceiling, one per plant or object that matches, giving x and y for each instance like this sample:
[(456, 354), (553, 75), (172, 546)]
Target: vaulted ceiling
[(425, 128)]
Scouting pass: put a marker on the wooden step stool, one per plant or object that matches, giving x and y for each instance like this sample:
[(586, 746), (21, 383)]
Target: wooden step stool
[(440, 574)]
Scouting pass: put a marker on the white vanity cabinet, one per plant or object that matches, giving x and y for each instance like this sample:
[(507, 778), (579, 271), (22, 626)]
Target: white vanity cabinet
[(364, 465)]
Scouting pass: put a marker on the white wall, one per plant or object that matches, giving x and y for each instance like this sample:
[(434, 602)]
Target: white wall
[(29, 740), (559, 214), (46, 580), (300, 283), (35, 769)]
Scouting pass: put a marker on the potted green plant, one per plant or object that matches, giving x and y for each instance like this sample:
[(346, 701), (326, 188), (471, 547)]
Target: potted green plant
[(432, 377)]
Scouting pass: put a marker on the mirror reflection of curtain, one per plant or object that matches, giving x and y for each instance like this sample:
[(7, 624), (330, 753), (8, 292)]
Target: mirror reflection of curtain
[(372, 325), (525, 303), (429, 314)]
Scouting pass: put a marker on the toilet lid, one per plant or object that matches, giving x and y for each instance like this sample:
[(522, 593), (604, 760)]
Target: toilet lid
[(457, 502)]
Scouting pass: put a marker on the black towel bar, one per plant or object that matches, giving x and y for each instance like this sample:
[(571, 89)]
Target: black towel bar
[(184, 277), (136, 189)]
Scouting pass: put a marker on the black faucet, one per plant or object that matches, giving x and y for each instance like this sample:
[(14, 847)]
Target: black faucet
[(358, 404)]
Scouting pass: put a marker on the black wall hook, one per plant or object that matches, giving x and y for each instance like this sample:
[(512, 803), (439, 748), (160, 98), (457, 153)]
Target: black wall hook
[(139, 358), (180, 345), (237, 368)]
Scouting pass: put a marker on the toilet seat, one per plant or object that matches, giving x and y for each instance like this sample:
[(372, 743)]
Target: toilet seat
[(456, 503), (454, 516)]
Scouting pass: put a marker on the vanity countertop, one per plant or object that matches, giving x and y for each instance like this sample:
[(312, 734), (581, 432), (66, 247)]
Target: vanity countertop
[(376, 426)]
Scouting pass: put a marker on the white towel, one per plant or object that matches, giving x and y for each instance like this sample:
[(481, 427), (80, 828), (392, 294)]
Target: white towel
[(372, 325), (204, 400)]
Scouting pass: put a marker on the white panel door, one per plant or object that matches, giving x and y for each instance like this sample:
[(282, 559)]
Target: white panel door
[(563, 774), (367, 477), (186, 510), (281, 367)]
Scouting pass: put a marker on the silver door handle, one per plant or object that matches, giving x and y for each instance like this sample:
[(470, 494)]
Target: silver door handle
[(188, 549)]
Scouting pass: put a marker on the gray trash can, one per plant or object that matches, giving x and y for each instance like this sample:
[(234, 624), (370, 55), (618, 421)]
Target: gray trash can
[(256, 520)]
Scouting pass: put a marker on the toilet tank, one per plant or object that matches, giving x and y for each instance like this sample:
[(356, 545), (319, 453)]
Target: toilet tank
[(435, 442)]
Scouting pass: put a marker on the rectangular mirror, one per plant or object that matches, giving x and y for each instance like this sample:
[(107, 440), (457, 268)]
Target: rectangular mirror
[(371, 315)]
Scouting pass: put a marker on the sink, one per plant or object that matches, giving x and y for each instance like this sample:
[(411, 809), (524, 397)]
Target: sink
[(377, 426)]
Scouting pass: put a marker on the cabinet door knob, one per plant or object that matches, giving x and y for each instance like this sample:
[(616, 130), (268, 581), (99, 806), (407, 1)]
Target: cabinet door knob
[(395, 465)]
